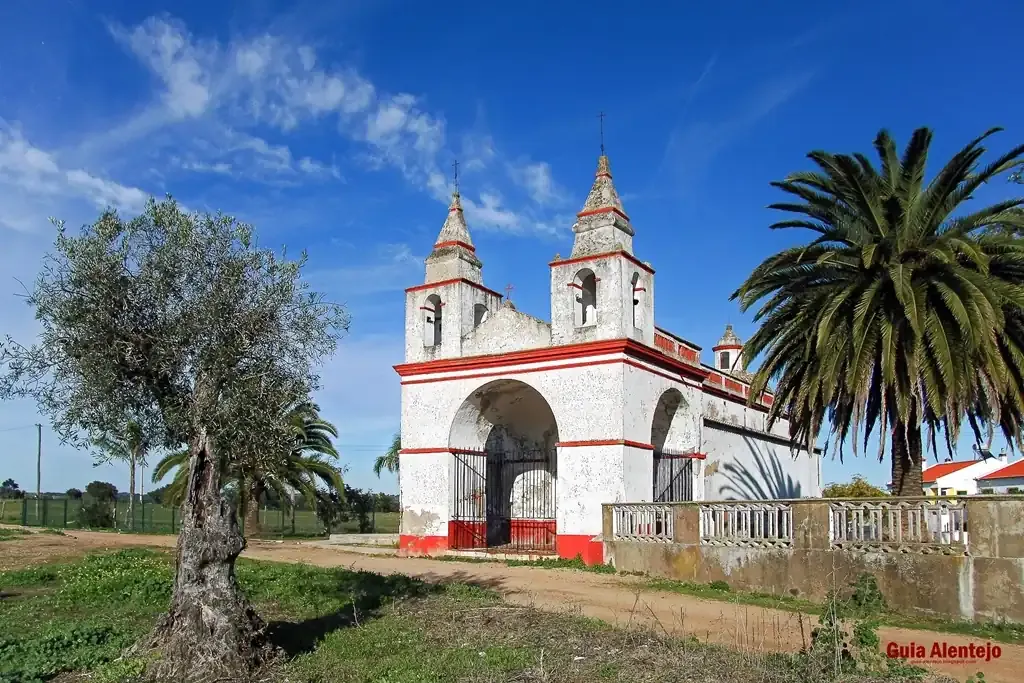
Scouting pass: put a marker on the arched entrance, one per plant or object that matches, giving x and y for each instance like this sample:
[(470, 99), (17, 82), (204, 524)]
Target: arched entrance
[(503, 470), (673, 461)]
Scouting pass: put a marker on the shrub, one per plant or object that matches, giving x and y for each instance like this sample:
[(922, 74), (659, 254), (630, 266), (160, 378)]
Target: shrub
[(1012, 490), (96, 514)]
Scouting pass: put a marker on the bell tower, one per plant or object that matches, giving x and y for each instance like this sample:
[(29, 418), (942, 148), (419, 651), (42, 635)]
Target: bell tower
[(452, 300), (729, 353), (602, 291)]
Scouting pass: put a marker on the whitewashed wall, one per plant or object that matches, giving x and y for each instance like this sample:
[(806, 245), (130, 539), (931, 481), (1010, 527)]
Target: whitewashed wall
[(743, 465)]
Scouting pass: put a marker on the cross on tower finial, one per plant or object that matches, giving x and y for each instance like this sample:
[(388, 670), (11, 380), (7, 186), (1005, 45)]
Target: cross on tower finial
[(601, 119), (508, 291), (455, 175)]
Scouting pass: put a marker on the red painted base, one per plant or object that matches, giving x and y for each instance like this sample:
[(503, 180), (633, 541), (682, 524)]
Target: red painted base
[(467, 535), (589, 550), (472, 536), (533, 533), (422, 545)]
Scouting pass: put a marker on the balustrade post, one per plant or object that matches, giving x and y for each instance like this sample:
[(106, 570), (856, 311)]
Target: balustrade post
[(607, 522), (811, 525), (686, 524)]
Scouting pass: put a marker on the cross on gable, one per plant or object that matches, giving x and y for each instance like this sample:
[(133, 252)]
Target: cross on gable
[(508, 291)]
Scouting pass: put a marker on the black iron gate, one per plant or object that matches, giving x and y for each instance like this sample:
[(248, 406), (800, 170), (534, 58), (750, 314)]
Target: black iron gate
[(504, 499), (673, 478)]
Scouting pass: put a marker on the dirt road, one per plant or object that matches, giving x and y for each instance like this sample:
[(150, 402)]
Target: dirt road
[(615, 599)]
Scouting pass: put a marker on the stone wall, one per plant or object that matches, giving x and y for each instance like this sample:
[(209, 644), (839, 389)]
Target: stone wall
[(961, 559)]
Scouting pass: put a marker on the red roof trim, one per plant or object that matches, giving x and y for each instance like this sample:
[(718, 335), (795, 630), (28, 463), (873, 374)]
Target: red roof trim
[(571, 351), (604, 209), (442, 283), (621, 252), (455, 243), (931, 474), (1011, 471)]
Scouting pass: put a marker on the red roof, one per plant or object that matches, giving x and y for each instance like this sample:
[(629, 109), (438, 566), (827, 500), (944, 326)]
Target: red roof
[(932, 474), (1013, 470)]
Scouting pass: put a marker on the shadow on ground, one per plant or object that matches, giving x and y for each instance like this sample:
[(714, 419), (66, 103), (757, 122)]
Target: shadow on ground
[(367, 594)]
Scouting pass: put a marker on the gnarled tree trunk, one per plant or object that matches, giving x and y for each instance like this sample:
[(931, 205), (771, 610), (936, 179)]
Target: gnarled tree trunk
[(212, 632), (252, 509)]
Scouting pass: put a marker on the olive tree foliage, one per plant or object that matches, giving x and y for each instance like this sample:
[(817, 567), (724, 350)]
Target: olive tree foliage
[(180, 323)]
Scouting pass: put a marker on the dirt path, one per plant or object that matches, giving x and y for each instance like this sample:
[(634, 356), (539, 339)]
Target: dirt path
[(615, 599)]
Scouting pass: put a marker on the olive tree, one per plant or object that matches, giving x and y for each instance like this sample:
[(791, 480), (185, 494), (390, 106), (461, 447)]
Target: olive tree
[(181, 323)]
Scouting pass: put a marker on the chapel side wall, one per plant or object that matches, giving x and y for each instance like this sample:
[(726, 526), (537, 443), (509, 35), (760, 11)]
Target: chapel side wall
[(742, 465), (644, 390)]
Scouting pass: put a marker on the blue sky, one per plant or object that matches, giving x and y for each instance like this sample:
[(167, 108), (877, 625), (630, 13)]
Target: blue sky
[(331, 126)]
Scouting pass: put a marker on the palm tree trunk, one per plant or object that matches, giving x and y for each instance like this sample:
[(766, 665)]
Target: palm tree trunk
[(211, 631), (252, 509), (907, 462), (129, 514)]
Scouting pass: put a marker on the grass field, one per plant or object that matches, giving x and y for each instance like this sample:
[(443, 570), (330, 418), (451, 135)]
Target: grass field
[(339, 625), (163, 519)]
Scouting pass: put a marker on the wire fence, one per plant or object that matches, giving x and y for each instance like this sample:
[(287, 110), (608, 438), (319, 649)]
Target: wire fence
[(147, 517)]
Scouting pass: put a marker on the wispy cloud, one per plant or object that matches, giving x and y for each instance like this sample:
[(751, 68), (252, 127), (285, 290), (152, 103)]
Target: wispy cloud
[(691, 146), (536, 179), (30, 175), (391, 268), (221, 92)]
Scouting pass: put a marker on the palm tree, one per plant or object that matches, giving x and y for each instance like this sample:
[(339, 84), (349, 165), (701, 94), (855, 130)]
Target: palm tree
[(903, 311), (304, 467), (390, 462), (129, 446)]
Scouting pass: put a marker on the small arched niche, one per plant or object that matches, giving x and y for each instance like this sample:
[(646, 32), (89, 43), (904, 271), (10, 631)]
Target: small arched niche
[(725, 361), (479, 314), (584, 288), (432, 320), (638, 293)]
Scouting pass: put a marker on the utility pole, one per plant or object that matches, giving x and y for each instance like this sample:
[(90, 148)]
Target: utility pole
[(39, 469)]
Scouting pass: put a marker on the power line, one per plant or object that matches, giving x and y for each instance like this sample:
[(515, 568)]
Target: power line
[(14, 429)]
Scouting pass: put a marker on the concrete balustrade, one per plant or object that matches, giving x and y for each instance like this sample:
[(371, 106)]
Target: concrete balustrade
[(958, 558)]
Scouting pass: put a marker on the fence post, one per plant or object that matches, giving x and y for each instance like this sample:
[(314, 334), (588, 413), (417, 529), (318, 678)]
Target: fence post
[(142, 503), (174, 511), (293, 520), (65, 525), (24, 511), (45, 505)]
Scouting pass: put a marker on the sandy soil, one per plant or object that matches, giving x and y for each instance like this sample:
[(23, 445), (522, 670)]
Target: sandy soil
[(614, 599)]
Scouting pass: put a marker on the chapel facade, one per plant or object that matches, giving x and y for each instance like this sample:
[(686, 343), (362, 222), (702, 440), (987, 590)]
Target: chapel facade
[(516, 430)]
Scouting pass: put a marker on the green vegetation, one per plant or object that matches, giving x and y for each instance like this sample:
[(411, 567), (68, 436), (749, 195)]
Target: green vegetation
[(304, 472), (858, 488), (904, 310), (344, 626)]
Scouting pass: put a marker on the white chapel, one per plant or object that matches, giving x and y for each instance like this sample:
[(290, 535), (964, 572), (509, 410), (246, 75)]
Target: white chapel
[(516, 430)]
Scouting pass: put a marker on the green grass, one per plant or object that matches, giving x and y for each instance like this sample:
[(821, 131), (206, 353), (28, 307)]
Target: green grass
[(12, 534), (342, 626)]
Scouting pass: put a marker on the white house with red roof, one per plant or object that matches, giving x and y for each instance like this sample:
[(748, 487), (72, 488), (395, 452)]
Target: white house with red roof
[(515, 430), (958, 477), (1007, 479)]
